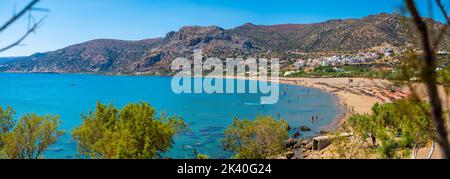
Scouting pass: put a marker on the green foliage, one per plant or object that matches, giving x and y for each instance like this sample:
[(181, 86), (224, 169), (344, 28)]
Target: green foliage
[(31, 137), (348, 71), (387, 149), (347, 147), (258, 139), (444, 76), (364, 126), (202, 156), (133, 132), (6, 123), (399, 125)]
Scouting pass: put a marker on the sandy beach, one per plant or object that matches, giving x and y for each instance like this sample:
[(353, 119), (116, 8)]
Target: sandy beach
[(342, 88), (362, 103)]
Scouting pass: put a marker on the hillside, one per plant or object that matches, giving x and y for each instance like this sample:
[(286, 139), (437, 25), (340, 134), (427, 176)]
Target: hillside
[(116, 56), (4, 60)]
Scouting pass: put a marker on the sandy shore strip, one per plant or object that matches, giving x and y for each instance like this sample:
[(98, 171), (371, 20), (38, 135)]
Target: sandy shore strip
[(361, 103), (358, 95), (341, 88)]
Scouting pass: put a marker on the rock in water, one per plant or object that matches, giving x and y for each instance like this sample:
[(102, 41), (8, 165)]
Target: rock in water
[(305, 128)]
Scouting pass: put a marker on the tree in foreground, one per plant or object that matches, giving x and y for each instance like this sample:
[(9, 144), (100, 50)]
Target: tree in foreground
[(30, 137), (395, 128), (6, 123), (261, 138), (427, 67), (133, 132)]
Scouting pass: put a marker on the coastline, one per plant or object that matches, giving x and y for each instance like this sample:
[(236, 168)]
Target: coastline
[(349, 101)]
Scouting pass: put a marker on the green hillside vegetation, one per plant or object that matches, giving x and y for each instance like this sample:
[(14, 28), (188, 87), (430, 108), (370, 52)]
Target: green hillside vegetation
[(348, 71)]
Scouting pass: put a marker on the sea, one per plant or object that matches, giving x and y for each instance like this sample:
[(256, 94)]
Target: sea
[(208, 115)]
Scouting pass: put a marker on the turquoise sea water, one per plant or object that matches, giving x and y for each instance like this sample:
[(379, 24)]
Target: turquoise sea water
[(207, 114)]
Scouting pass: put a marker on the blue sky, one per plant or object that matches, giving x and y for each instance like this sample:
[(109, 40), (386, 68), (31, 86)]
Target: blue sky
[(75, 21)]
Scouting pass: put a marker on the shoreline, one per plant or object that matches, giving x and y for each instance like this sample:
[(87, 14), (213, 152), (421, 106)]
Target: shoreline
[(349, 102)]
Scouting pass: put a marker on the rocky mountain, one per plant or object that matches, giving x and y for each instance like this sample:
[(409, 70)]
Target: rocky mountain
[(155, 55), (4, 60)]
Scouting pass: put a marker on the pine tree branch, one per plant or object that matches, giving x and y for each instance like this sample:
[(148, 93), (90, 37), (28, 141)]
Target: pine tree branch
[(445, 28), (29, 31), (429, 76), (19, 15)]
